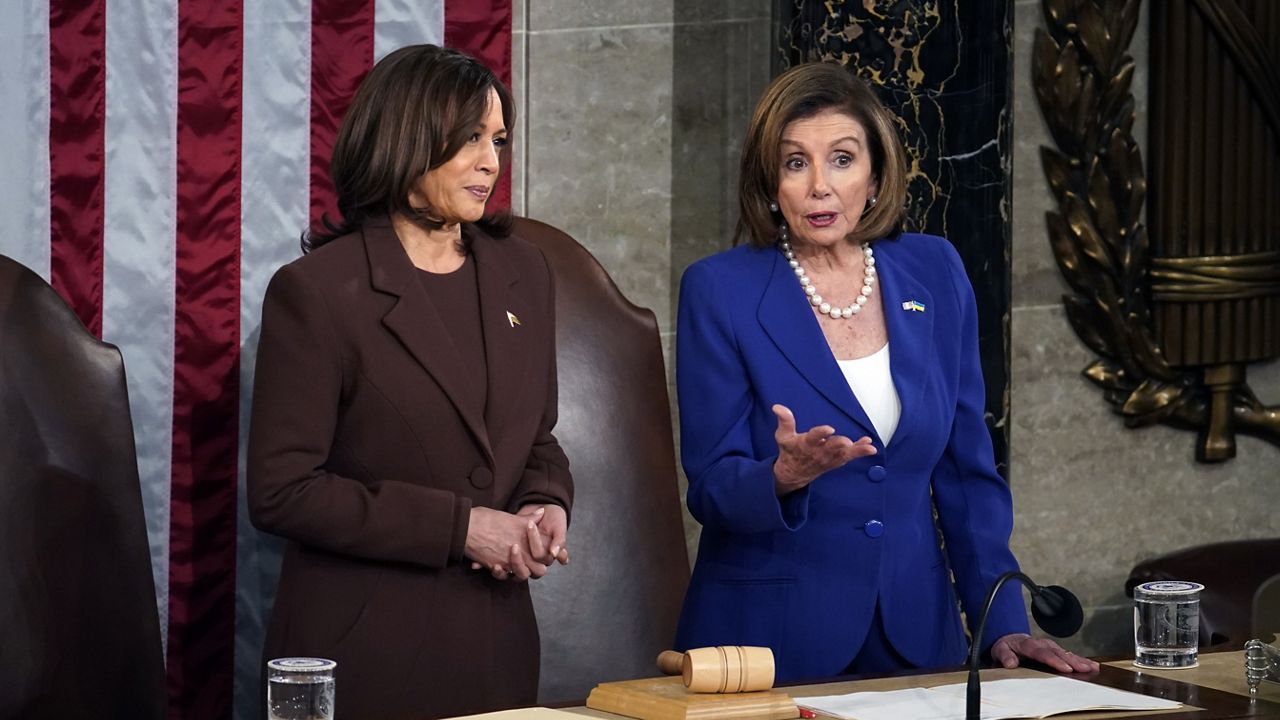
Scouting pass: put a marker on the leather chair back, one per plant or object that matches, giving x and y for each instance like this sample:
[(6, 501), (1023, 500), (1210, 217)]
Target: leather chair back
[(79, 631), (608, 613), (1266, 610)]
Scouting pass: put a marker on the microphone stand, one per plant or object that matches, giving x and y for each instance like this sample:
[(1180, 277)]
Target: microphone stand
[(1054, 608)]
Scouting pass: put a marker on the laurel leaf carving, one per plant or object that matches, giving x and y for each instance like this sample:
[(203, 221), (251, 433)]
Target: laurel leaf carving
[(1102, 204), (1084, 80), (1085, 318), (1093, 36), (1057, 168), (1105, 374), (1152, 402)]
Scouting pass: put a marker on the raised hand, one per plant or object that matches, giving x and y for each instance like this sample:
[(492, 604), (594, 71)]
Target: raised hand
[(802, 457)]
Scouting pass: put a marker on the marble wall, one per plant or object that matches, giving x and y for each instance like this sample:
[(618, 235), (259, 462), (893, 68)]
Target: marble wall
[(1093, 498), (631, 116)]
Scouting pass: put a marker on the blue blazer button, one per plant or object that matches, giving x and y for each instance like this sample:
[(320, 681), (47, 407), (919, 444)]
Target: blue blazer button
[(873, 528), (877, 473)]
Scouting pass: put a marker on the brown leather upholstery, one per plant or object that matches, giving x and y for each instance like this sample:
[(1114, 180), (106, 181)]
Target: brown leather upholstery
[(1266, 610), (614, 607), (79, 633), (1231, 573)]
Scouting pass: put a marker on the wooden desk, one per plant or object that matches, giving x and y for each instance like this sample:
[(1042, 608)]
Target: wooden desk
[(1209, 689)]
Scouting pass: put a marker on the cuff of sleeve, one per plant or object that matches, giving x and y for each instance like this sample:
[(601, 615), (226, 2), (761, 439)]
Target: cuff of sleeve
[(795, 508), (786, 512), (538, 499), (461, 523)]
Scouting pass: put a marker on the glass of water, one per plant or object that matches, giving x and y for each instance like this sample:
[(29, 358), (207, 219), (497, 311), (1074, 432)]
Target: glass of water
[(300, 689), (1166, 624)]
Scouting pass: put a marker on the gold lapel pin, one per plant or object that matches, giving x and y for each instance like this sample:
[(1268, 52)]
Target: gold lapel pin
[(512, 319)]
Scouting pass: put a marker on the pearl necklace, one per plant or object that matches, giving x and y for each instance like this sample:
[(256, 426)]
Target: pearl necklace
[(836, 313)]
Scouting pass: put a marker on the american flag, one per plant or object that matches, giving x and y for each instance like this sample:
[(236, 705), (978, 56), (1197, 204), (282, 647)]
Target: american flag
[(160, 160)]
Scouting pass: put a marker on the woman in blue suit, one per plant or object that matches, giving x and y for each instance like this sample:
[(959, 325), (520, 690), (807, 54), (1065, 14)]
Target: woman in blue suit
[(819, 546)]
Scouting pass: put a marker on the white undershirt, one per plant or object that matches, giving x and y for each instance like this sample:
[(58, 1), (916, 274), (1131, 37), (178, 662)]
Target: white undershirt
[(872, 383)]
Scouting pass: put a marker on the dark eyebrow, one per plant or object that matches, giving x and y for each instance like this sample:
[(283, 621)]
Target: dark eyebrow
[(847, 138)]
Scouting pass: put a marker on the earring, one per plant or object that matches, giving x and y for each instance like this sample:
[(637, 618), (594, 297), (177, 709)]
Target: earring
[(871, 202), (773, 206), (784, 234)]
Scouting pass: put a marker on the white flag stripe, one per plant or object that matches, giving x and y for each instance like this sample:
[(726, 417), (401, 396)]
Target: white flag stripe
[(275, 149), (397, 23), (274, 181), (24, 125), (139, 245)]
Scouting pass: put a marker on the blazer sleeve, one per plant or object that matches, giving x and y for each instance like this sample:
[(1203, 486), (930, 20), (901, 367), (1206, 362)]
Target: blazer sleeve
[(975, 507), (731, 483), (546, 477), (296, 400)]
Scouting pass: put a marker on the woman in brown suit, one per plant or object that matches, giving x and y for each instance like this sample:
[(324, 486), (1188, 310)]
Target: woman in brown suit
[(403, 408)]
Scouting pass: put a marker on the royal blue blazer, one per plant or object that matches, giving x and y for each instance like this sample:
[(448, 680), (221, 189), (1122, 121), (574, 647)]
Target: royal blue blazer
[(802, 574)]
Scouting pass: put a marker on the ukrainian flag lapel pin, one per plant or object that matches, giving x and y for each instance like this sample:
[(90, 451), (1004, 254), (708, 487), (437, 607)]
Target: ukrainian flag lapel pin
[(913, 306), (512, 319)]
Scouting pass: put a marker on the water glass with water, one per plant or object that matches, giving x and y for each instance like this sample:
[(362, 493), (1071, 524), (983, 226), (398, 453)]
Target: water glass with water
[(1166, 624), (300, 689)]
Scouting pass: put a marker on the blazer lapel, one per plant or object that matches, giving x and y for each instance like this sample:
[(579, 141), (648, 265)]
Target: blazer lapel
[(416, 323), (790, 321), (910, 329), (505, 342)]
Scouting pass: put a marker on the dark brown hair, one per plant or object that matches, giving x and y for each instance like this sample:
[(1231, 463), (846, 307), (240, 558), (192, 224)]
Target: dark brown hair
[(414, 111), (801, 92)]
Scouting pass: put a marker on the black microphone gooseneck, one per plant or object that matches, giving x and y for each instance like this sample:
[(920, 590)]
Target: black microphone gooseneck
[(1054, 608)]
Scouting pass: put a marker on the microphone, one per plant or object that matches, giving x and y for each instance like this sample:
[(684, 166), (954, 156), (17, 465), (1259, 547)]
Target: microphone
[(1055, 609)]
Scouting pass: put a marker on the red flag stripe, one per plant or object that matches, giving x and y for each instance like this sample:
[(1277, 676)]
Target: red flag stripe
[(202, 531), (483, 31), (341, 55), (77, 111)]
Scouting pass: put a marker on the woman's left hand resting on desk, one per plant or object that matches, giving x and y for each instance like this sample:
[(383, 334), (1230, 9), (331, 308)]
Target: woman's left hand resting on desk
[(1009, 648)]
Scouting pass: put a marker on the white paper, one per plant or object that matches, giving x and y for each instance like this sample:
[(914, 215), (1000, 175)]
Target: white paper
[(1001, 700), (1042, 697), (916, 703)]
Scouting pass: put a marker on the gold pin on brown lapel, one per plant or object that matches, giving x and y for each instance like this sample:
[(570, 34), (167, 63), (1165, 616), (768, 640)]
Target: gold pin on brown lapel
[(512, 319)]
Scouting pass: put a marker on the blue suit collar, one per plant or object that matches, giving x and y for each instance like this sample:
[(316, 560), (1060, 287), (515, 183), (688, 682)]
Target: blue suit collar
[(911, 347), (791, 323)]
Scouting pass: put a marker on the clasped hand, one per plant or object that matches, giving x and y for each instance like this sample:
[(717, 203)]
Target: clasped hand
[(802, 457), (518, 546)]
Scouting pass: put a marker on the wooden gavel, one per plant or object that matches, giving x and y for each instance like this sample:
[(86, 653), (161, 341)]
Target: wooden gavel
[(721, 669)]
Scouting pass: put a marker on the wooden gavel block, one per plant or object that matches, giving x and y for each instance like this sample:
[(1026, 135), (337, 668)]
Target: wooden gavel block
[(721, 669)]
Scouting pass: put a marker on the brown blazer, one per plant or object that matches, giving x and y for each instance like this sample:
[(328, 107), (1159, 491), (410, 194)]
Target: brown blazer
[(368, 449)]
